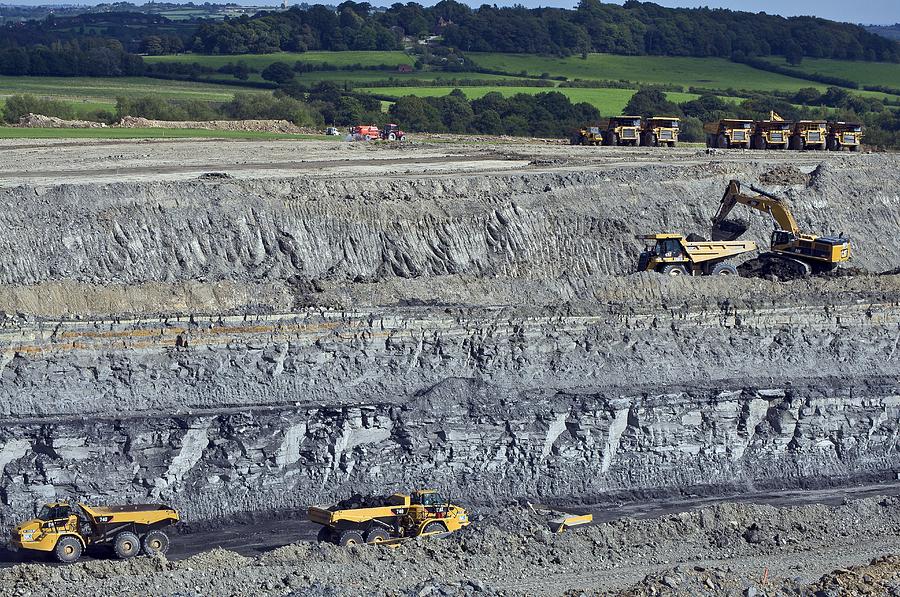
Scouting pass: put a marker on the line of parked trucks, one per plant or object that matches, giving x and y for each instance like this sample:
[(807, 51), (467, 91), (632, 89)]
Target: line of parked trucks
[(728, 133)]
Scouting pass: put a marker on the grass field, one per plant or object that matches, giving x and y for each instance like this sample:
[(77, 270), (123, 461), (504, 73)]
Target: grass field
[(105, 90), (609, 101), (714, 73), (142, 133), (261, 61), (864, 73)]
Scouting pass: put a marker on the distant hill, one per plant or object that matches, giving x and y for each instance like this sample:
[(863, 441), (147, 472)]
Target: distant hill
[(888, 31), (634, 28)]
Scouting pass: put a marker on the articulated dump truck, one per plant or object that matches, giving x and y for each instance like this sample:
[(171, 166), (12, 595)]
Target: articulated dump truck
[(675, 255), (399, 517), (67, 529)]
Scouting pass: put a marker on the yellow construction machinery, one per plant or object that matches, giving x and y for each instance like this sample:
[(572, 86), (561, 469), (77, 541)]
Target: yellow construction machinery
[(423, 512), (773, 133), (660, 130), (675, 255), (67, 529), (792, 253), (809, 134), (730, 133), (591, 135), (622, 130), (844, 134)]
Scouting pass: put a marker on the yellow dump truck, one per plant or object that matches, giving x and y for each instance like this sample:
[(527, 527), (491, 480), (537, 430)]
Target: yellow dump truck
[(844, 134), (774, 133), (401, 516), (660, 131), (809, 134), (590, 135), (730, 133), (67, 529), (622, 130), (675, 255)]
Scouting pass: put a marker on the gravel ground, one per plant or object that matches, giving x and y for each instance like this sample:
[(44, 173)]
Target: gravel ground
[(726, 549)]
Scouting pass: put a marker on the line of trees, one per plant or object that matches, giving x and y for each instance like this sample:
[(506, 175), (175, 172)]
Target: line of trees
[(634, 28), (91, 57)]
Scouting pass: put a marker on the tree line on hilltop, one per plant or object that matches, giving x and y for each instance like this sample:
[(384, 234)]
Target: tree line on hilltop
[(636, 28)]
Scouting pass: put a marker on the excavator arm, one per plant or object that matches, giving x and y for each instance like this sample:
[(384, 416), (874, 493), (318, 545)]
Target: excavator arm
[(725, 229)]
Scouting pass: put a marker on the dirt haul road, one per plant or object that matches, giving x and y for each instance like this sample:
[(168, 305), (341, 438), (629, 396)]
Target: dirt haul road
[(332, 318)]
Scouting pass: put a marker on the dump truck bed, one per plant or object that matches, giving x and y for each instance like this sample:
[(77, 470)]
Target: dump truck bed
[(708, 250), (325, 516)]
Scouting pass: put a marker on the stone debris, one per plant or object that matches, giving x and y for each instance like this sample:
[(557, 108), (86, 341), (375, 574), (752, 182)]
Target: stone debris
[(52, 122)]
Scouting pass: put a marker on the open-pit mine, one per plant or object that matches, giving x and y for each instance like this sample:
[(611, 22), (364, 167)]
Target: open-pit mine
[(243, 329)]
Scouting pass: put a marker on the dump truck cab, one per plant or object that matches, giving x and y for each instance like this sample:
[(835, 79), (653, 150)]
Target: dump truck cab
[(622, 130), (661, 131), (845, 134), (771, 134), (809, 134), (674, 255), (67, 529), (590, 135), (730, 133), (401, 516)]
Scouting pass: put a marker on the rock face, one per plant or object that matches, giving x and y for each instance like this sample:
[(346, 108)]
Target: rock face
[(250, 346)]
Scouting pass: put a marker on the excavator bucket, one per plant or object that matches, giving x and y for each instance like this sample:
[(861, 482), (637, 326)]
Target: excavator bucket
[(729, 229)]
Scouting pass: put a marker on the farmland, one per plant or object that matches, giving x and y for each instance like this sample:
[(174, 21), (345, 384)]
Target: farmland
[(608, 101), (710, 73), (864, 73), (106, 90), (260, 61)]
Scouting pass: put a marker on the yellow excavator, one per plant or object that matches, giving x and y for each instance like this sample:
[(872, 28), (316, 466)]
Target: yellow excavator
[(793, 254)]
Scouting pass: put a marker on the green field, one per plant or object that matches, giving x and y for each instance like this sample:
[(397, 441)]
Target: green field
[(142, 133), (106, 90), (710, 73), (864, 73), (261, 61), (610, 102)]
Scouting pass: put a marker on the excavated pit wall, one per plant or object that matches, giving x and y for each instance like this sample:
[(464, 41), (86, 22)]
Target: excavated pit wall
[(445, 375)]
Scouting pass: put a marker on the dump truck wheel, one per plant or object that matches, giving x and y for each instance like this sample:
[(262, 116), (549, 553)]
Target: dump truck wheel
[(722, 142), (126, 545), (68, 549), (796, 143), (377, 536), (674, 270), (155, 542), (672, 143), (350, 538), (435, 527), (325, 535), (855, 148), (723, 269)]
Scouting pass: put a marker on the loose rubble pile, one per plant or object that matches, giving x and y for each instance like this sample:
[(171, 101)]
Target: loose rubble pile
[(131, 122), (52, 122)]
